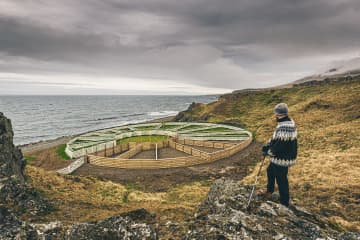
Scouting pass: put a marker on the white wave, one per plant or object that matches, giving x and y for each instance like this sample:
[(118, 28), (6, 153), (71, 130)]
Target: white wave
[(162, 113)]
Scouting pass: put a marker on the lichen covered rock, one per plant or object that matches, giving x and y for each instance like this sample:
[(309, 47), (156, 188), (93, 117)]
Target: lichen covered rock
[(12, 163), (115, 227), (12, 228), (223, 215), (14, 191)]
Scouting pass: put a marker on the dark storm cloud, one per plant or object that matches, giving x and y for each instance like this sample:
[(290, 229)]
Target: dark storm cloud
[(207, 42)]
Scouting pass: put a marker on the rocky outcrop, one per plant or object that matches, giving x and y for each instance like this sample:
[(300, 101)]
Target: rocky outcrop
[(12, 228), (14, 191), (185, 116), (126, 227), (16, 197), (223, 215), (135, 225), (11, 160)]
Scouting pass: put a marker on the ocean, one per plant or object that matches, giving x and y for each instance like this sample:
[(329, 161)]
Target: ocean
[(36, 118)]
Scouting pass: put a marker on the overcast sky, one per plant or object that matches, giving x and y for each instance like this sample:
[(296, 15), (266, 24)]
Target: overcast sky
[(169, 46)]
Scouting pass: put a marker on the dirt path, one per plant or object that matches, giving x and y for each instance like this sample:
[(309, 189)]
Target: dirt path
[(235, 167), (43, 145)]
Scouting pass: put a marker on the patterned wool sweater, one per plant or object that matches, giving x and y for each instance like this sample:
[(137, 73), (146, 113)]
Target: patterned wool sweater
[(283, 143)]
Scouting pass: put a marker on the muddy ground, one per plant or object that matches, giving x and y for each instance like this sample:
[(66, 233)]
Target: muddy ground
[(235, 167)]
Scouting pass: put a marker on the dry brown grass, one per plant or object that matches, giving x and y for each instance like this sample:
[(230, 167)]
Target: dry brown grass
[(89, 199)]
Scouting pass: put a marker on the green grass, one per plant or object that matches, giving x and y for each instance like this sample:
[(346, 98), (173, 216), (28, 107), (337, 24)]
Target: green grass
[(222, 135), (191, 127), (81, 141), (61, 152), (126, 197), (218, 129), (145, 127), (30, 158), (145, 138), (134, 186), (166, 127)]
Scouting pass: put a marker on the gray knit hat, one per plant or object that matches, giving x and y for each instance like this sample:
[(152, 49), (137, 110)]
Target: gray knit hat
[(281, 109)]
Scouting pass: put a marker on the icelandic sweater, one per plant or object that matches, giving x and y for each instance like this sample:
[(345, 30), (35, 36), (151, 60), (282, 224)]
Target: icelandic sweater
[(283, 143)]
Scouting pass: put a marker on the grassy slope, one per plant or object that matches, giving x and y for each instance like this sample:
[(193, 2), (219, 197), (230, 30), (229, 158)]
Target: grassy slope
[(327, 176), (79, 199)]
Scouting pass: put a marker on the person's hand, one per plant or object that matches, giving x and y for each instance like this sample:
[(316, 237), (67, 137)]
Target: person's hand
[(265, 149)]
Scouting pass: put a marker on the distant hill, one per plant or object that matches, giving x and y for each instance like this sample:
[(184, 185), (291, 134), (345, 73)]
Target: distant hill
[(346, 69)]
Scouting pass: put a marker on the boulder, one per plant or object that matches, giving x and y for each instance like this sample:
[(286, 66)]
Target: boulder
[(223, 215), (12, 228), (14, 191), (12, 163)]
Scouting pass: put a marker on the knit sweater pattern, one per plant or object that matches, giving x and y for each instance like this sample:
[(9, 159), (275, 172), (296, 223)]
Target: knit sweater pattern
[(283, 143)]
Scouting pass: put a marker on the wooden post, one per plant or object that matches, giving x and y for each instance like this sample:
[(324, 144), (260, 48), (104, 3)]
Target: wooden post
[(156, 153), (105, 151), (86, 159), (113, 149)]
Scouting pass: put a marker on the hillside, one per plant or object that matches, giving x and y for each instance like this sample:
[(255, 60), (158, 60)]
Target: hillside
[(327, 176)]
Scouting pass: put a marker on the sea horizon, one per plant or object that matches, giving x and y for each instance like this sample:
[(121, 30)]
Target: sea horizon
[(46, 117)]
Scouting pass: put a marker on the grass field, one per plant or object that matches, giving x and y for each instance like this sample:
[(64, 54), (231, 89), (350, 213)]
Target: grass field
[(168, 127), (81, 199), (211, 130), (145, 138), (190, 127)]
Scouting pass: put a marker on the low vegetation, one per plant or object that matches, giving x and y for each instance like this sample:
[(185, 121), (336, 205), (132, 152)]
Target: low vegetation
[(168, 127), (50, 159), (89, 199), (29, 158), (211, 130), (61, 152), (144, 138), (143, 128)]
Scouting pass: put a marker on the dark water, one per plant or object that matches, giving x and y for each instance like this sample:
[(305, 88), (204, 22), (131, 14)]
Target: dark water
[(36, 118)]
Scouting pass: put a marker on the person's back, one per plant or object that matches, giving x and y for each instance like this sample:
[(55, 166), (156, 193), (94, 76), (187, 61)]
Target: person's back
[(282, 149), (283, 144)]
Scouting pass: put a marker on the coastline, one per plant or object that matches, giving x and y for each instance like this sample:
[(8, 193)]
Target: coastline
[(45, 144)]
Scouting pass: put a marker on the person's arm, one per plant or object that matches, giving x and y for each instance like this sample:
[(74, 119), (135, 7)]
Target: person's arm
[(265, 148), (276, 143)]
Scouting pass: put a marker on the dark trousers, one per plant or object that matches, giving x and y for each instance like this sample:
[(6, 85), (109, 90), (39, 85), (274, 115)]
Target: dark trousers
[(280, 174)]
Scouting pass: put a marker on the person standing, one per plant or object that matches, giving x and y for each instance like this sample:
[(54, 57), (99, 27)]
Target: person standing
[(282, 150)]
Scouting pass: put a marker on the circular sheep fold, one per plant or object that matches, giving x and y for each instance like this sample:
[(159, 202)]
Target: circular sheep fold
[(107, 147)]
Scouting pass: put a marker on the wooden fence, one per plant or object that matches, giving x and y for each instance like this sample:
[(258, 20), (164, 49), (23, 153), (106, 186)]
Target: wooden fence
[(196, 156)]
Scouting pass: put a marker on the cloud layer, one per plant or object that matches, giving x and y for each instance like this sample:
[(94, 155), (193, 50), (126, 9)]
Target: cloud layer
[(180, 46)]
